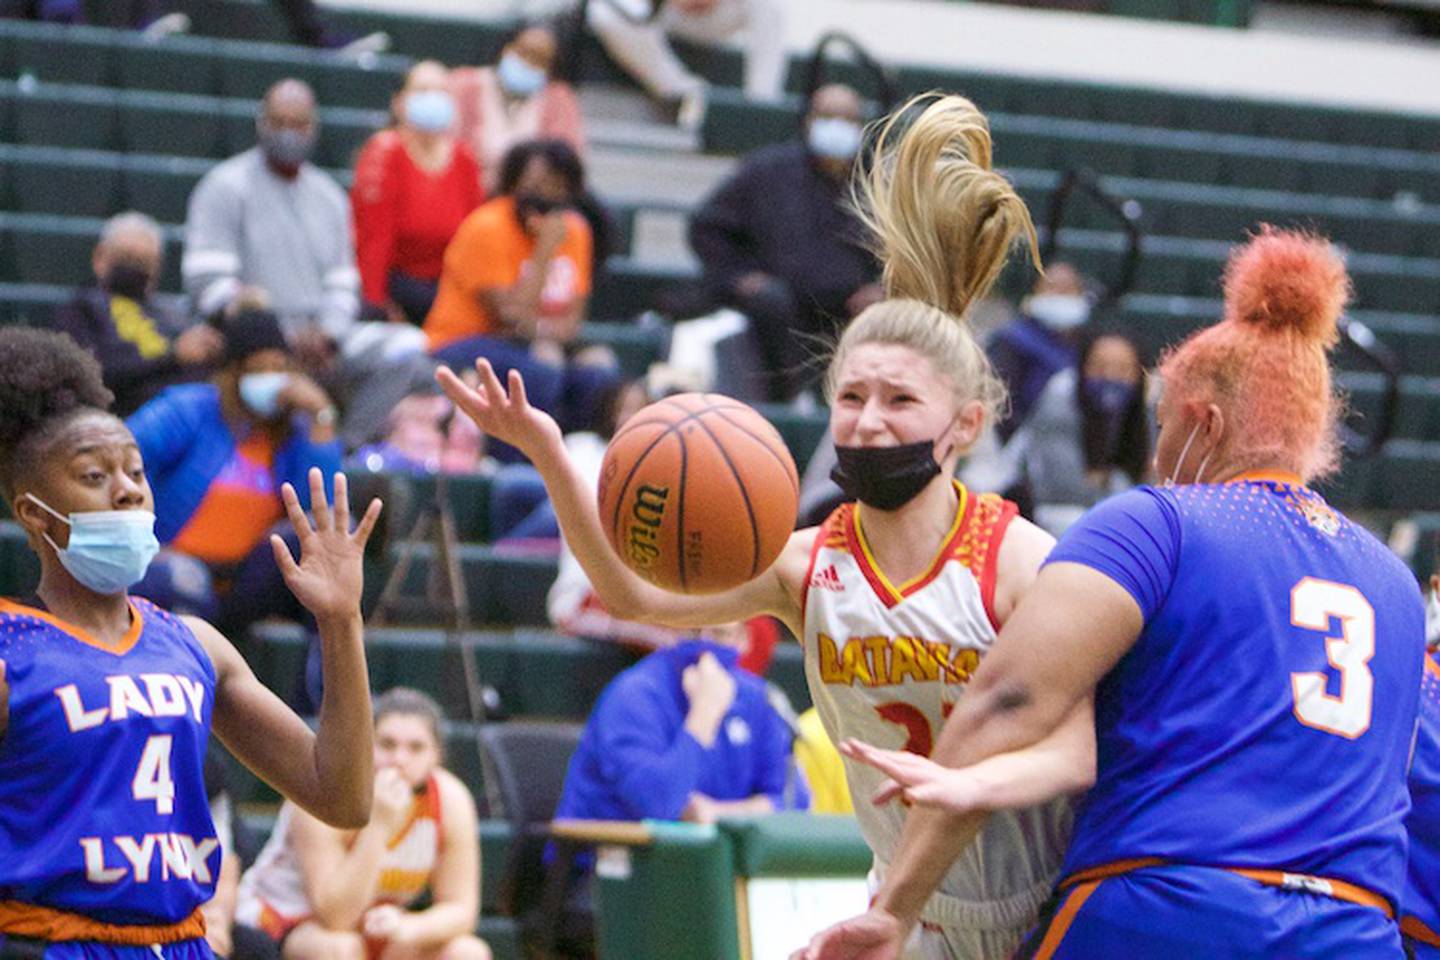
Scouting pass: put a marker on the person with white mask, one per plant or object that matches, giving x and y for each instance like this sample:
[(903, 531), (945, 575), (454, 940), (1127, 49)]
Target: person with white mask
[(516, 100), (1040, 341), (415, 183), (780, 242)]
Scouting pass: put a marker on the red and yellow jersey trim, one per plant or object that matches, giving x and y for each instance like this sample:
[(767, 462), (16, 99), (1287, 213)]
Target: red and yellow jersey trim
[(127, 642), (888, 592), (58, 926)]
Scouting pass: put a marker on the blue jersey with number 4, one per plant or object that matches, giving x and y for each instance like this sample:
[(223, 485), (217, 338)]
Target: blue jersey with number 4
[(102, 793), (1265, 715)]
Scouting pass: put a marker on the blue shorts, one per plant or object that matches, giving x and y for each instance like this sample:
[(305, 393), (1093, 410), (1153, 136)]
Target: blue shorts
[(1181, 912), (15, 949)]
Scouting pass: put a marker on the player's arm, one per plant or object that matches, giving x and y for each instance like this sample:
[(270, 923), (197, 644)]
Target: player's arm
[(328, 773), (455, 884), (1059, 765), (506, 415), (1064, 636)]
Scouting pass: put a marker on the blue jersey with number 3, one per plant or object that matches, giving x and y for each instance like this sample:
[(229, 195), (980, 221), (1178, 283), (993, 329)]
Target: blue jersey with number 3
[(103, 810), (1265, 715)]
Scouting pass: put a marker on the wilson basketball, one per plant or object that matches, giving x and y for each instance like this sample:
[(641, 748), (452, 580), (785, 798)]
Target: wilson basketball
[(698, 493)]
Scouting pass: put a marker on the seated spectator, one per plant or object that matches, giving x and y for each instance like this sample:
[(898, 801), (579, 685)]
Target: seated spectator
[(217, 454), (517, 281), (142, 347), (1040, 341), (424, 436), (780, 242), (1089, 434), (685, 734), (515, 101), (324, 893), (415, 183), (640, 43), (269, 219)]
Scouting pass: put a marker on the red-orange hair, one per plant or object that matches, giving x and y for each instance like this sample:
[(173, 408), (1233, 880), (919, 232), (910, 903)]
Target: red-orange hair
[(1266, 364)]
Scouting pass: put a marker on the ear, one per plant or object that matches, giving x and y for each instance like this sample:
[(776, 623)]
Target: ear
[(1435, 583), (31, 516), (969, 424)]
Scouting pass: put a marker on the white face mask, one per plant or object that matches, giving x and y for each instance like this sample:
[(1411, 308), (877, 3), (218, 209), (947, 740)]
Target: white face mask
[(1059, 311), (1174, 477), (1432, 621), (109, 550)]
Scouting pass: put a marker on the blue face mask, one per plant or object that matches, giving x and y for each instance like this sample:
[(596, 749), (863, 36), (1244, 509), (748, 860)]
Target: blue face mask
[(834, 138), (260, 392), (519, 76), (109, 550), (1109, 396), (430, 111)]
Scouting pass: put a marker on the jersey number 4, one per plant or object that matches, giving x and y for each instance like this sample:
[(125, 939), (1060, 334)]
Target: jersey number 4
[(152, 778), (1313, 604)]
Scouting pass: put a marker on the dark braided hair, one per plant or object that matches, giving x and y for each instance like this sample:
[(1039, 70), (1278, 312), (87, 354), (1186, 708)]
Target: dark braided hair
[(45, 378)]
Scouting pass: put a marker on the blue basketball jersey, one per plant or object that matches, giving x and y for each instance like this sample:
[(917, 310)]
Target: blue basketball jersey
[(1264, 717), (103, 810), (1421, 903)]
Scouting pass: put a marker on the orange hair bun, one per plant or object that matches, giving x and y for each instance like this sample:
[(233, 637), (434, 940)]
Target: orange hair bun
[(1287, 280)]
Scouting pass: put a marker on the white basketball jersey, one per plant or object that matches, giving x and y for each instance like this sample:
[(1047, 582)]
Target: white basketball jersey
[(886, 663)]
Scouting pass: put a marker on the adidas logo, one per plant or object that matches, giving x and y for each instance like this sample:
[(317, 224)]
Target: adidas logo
[(827, 579)]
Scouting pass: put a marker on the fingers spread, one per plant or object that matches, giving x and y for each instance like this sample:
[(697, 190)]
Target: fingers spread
[(283, 559), (319, 509), (367, 522), (293, 510)]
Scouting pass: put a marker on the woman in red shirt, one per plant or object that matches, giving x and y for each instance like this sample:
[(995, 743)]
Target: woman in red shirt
[(414, 184)]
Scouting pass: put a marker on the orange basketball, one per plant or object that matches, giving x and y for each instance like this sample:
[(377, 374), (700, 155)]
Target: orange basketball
[(698, 493)]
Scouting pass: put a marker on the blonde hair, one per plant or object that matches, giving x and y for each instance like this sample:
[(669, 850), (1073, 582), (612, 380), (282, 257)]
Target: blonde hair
[(943, 224)]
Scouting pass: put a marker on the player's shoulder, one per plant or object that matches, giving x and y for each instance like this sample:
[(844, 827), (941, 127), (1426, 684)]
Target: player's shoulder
[(454, 794)]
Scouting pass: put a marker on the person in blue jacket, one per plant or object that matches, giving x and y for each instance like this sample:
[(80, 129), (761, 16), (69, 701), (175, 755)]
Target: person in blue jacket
[(217, 454), (685, 734)]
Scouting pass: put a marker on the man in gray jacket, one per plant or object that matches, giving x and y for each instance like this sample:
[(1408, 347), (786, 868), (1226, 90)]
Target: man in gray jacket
[(270, 219)]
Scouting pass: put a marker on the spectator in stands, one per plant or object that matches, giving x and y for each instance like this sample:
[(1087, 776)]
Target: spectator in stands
[(142, 347), (1088, 436), (217, 454), (269, 219), (516, 284), (325, 893), (779, 242), (637, 33), (516, 100), (685, 734), (415, 183), (1040, 341)]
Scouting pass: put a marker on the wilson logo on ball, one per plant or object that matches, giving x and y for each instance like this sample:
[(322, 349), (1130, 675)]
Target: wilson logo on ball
[(647, 513)]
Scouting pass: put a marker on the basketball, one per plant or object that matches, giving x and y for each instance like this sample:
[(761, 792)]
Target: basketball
[(698, 493)]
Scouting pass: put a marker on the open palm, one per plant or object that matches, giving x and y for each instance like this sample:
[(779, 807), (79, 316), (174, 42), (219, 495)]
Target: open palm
[(329, 578), (504, 414)]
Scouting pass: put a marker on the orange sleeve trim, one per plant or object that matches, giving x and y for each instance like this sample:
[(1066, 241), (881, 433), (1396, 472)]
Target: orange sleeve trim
[(821, 535), (127, 642), (990, 568), (57, 926), (1064, 918), (1417, 930), (1431, 667)]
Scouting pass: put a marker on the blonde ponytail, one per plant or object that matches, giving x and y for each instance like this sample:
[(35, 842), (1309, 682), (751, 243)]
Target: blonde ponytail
[(943, 221), (943, 224)]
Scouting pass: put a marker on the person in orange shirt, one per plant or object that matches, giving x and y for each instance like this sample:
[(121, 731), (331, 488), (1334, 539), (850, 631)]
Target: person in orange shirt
[(516, 283)]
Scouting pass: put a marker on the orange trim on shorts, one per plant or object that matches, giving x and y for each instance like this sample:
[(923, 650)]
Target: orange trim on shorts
[(57, 926), (1337, 889), (1064, 917), (1417, 930), (132, 635)]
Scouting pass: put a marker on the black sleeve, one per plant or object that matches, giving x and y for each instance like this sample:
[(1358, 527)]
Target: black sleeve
[(124, 369), (720, 230)]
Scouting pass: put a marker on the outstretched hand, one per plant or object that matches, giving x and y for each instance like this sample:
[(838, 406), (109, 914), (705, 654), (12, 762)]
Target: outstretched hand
[(917, 780), (329, 578), (875, 935), (504, 414)]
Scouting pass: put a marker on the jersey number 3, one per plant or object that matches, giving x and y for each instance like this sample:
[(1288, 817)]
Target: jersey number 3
[(1313, 604), (152, 778)]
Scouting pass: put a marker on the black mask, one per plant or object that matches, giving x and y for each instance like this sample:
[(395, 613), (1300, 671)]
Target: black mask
[(531, 204), (128, 280), (885, 478)]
